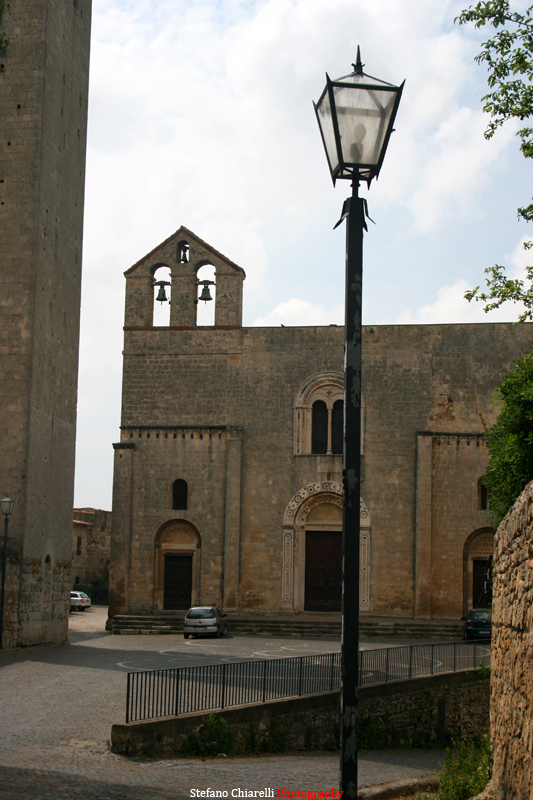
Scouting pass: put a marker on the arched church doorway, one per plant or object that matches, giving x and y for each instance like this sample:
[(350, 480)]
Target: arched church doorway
[(312, 550), (478, 547), (177, 566), (323, 558)]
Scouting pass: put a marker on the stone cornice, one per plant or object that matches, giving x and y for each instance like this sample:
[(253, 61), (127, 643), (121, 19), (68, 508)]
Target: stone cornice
[(173, 431), (448, 436)]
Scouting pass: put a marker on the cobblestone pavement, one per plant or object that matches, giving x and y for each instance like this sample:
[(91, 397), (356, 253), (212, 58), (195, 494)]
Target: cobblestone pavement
[(57, 706)]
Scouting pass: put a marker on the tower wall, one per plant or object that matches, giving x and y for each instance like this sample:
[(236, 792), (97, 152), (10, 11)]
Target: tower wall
[(43, 108)]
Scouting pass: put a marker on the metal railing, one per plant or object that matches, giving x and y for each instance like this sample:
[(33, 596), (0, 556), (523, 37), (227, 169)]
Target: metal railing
[(413, 661), (171, 692)]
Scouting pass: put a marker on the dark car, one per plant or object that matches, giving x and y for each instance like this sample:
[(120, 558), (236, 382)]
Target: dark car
[(204, 619), (478, 624)]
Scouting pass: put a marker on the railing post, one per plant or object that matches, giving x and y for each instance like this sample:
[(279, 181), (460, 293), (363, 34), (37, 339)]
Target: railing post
[(177, 691), (223, 684), (128, 698), (432, 657), (264, 679), (410, 660), (360, 676), (300, 677), (387, 666), (332, 672), (454, 657)]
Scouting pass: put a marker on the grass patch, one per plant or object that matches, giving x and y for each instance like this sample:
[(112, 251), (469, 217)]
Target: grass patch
[(212, 738)]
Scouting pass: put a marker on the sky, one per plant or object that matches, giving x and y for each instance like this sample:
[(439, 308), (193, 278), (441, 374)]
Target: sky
[(200, 114)]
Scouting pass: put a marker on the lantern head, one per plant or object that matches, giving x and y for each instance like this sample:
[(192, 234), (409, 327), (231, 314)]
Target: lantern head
[(356, 116)]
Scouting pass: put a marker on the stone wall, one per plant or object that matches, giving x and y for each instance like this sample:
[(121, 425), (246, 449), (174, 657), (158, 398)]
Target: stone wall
[(43, 108), (512, 651), (93, 527), (396, 714)]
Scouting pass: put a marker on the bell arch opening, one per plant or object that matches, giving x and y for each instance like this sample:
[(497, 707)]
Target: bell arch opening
[(206, 308), (161, 306)]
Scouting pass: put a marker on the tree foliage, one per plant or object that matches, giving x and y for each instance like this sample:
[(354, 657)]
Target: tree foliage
[(510, 440), (508, 55)]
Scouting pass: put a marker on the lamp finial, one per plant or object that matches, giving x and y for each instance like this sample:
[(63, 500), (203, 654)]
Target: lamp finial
[(358, 66)]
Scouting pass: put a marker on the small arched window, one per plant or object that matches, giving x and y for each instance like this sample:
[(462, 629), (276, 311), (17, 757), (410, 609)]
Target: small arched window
[(337, 426), (483, 495), (179, 495), (320, 427)]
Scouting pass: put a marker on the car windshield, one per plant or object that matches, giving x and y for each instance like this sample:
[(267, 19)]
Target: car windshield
[(200, 613), (480, 615)]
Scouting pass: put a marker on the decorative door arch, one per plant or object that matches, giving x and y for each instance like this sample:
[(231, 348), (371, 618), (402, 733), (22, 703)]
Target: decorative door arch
[(176, 542), (317, 507)]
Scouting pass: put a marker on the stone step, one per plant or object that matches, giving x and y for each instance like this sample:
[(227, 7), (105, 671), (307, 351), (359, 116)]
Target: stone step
[(400, 628)]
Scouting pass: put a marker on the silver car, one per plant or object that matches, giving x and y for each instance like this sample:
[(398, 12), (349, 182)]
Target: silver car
[(204, 619), (79, 601)]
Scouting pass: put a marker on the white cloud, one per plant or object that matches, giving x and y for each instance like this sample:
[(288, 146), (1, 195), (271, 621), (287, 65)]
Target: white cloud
[(451, 306), (519, 259), (301, 312)]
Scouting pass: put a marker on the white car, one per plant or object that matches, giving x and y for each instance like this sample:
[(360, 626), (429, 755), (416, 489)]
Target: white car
[(79, 601), (204, 619)]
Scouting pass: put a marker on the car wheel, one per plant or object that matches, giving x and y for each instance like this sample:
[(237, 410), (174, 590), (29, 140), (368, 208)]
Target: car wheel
[(225, 631), (217, 634), (185, 635)]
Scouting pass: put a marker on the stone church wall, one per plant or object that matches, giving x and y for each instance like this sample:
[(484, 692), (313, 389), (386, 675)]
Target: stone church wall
[(43, 108), (228, 410), (512, 675)]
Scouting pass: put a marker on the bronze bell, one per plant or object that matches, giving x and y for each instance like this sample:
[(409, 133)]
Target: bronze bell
[(206, 294), (161, 296)]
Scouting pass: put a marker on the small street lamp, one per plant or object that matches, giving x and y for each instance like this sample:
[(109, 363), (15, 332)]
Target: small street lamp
[(6, 505), (356, 116)]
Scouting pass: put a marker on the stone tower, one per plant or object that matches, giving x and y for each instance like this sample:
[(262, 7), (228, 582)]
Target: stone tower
[(172, 417), (43, 111)]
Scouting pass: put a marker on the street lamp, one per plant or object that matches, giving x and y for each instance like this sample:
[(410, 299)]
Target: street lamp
[(355, 115), (6, 505)]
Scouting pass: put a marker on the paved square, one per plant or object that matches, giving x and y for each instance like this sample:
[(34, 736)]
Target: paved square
[(57, 705)]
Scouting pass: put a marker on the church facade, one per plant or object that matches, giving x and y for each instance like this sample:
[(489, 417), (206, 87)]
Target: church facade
[(228, 472)]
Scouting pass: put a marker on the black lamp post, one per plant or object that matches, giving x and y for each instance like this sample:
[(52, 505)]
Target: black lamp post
[(6, 505), (355, 115)]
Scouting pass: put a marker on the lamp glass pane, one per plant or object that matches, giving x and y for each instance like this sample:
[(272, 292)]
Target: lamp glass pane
[(363, 116), (326, 126), (6, 504)]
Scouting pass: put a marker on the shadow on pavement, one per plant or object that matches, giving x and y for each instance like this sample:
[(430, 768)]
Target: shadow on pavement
[(39, 785), (108, 658)]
